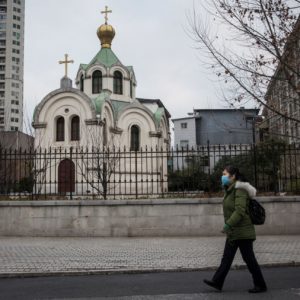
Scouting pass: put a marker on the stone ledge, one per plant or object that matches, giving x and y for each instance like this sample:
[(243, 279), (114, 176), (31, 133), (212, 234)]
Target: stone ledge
[(154, 202)]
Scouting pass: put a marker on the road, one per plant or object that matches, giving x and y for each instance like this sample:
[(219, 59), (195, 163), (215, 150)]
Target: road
[(284, 283)]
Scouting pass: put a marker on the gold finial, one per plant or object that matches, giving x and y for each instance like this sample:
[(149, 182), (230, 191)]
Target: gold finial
[(106, 12), (106, 32), (66, 62)]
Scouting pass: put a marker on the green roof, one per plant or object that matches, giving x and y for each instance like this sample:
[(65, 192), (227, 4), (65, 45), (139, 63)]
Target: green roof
[(99, 101), (83, 66), (159, 114), (118, 106), (106, 57)]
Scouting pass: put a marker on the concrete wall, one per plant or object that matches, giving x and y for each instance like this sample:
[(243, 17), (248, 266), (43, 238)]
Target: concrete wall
[(187, 217)]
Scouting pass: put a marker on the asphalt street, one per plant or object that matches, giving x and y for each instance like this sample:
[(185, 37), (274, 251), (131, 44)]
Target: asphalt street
[(283, 283)]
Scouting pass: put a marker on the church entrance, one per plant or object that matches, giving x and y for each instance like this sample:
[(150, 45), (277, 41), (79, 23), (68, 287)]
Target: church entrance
[(66, 177)]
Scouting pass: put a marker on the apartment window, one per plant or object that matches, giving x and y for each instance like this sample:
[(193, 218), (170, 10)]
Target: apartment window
[(2, 26), (2, 17), (15, 111), (183, 125), (14, 120)]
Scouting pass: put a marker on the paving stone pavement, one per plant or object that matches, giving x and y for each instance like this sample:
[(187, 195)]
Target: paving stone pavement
[(46, 256)]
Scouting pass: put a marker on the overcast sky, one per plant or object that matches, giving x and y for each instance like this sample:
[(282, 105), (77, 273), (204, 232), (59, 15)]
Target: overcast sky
[(150, 36)]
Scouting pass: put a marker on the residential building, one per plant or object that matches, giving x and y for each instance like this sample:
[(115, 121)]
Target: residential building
[(216, 127), (15, 140), (11, 64), (283, 94)]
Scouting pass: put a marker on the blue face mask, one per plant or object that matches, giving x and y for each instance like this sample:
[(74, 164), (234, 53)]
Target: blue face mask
[(225, 180)]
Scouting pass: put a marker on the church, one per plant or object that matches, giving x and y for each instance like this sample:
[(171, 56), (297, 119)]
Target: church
[(101, 112)]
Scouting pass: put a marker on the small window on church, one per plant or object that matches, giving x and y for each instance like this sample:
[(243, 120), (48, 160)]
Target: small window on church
[(118, 83), (97, 82), (135, 138), (104, 133), (131, 89), (82, 83), (60, 129), (75, 129)]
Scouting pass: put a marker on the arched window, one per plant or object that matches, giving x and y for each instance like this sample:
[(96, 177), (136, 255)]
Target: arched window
[(97, 82), (75, 129), (135, 138), (118, 83), (60, 129), (82, 83)]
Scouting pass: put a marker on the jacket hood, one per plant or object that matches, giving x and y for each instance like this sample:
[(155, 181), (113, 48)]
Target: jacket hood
[(247, 187)]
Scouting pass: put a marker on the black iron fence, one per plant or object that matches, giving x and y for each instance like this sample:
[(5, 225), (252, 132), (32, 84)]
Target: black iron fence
[(86, 173)]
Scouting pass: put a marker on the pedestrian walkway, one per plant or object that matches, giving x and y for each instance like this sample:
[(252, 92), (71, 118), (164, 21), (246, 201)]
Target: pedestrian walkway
[(52, 256)]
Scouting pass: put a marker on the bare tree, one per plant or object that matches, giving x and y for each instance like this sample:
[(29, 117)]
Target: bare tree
[(249, 45), (100, 161)]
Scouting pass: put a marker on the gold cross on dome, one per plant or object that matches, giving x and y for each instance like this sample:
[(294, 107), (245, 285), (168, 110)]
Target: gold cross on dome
[(106, 12), (66, 62)]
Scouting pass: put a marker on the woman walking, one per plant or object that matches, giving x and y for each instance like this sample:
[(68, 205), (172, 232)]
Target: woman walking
[(239, 230)]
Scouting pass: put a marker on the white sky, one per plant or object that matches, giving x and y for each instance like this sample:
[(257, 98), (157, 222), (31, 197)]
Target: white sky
[(150, 36)]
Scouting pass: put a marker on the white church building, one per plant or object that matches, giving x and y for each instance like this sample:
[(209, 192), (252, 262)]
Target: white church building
[(102, 112)]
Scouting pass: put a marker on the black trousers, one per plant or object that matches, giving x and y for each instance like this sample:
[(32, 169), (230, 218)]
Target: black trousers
[(246, 248)]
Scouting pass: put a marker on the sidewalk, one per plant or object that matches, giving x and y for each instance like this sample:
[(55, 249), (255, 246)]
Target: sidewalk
[(70, 256)]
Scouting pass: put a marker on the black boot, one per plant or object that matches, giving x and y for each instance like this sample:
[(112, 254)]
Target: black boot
[(212, 284), (257, 289)]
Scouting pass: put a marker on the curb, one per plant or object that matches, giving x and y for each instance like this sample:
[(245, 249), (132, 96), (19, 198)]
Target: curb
[(135, 271)]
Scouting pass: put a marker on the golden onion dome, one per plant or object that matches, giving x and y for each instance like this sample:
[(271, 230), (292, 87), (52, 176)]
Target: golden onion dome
[(106, 34)]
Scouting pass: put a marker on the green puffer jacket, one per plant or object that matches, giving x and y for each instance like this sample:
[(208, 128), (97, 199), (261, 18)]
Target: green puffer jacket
[(235, 208)]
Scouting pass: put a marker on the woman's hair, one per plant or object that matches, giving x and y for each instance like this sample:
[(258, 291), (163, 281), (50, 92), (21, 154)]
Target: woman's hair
[(235, 171)]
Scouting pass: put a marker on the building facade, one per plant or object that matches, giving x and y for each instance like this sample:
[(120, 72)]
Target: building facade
[(216, 127), (101, 113), (11, 64), (283, 95)]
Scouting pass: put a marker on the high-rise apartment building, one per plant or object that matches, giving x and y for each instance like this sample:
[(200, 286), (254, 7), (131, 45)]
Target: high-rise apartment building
[(11, 64)]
